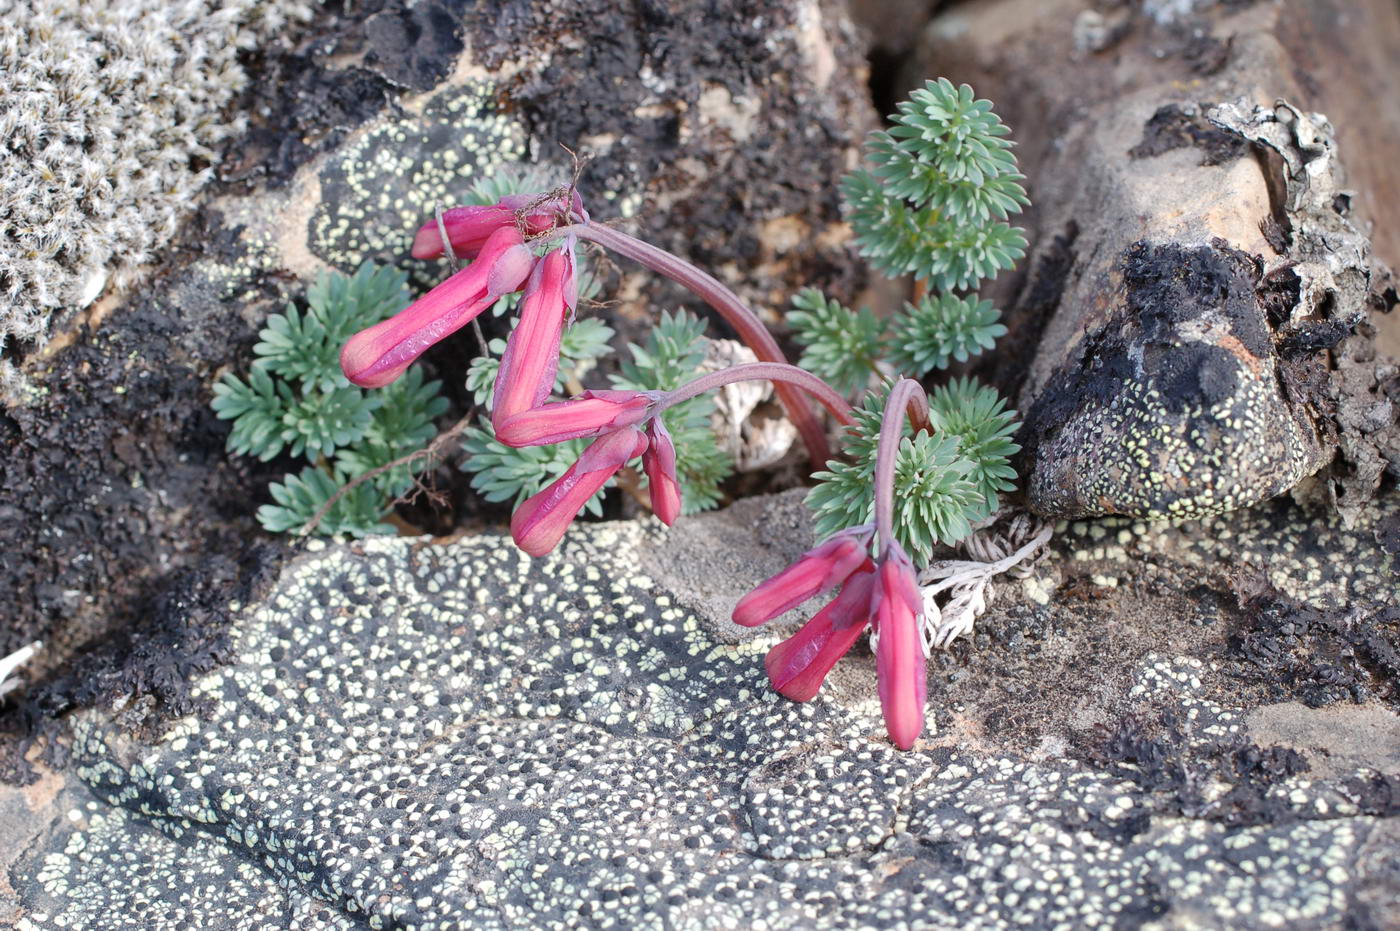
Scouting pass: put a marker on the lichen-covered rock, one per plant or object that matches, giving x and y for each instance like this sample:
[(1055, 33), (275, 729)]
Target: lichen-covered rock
[(429, 735), (1183, 287)]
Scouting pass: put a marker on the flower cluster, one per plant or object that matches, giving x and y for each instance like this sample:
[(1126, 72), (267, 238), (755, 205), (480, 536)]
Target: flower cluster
[(527, 244), (624, 425)]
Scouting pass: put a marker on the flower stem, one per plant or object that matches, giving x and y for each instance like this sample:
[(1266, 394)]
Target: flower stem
[(906, 398), (744, 321), (780, 373)]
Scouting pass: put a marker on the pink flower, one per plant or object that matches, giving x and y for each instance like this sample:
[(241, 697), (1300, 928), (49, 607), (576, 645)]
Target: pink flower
[(379, 354), (798, 666), (592, 413), (816, 571), (659, 463), (469, 227), (900, 666), (526, 375), (539, 523)]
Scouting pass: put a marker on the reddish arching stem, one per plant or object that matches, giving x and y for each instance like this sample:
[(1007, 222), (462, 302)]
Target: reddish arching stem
[(779, 373), (744, 321), (907, 398)]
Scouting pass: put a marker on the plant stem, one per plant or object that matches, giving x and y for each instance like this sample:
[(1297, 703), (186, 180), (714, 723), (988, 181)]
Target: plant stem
[(780, 373), (906, 398), (744, 321)]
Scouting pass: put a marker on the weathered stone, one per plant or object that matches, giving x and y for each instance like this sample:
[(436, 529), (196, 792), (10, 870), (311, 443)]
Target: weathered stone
[(432, 735), (1193, 259)]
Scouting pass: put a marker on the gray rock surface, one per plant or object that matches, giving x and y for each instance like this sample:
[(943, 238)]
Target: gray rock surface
[(419, 734)]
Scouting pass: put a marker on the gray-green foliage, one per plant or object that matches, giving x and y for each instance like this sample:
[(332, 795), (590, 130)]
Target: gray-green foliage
[(927, 335), (941, 185), (295, 400), (935, 494), (841, 345)]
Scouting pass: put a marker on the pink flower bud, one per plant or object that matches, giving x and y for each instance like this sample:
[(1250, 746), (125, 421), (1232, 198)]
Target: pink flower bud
[(539, 523), (815, 571), (469, 227), (659, 463), (900, 666), (592, 413), (526, 375), (379, 354), (798, 666)]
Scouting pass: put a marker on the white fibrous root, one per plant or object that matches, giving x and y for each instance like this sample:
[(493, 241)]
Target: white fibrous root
[(963, 585), (14, 661)]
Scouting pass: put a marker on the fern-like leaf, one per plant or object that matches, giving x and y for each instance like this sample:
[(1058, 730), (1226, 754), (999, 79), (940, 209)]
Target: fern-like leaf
[(928, 335), (840, 345), (402, 424), (504, 473), (318, 422), (357, 513), (978, 417), (935, 497), (256, 409)]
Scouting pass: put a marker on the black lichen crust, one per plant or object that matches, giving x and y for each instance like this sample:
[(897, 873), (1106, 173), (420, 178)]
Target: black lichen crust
[(1172, 408)]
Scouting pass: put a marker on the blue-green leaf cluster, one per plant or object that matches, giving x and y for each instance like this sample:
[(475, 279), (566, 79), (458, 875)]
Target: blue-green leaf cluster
[(942, 183), (934, 493), (840, 345), (297, 401), (299, 498), (927, 335), (978, 417)]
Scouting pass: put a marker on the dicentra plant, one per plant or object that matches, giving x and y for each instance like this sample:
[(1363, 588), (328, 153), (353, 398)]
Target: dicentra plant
[(914, 469)]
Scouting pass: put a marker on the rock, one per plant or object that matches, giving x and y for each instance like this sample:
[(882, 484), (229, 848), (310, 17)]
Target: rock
[(432, 735), (721, 138), (1188, 273)]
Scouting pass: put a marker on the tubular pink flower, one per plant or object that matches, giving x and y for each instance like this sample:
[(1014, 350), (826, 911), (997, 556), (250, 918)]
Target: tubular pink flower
[(377, 355), (539, 523), (816, 571), (526, 375), (798, 666), (899, 658), (592, 413), (659, 463), (469, 227)]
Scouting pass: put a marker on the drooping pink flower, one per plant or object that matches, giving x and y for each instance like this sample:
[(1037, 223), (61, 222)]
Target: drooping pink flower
[(816, 571), (528, 365), (469, 227), (798, 666), (900, 666), (591, 413), (539, 523), (659, 463), (379, 354)]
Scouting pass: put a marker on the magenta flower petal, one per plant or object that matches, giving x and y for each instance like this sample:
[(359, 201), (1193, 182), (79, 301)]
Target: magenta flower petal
[(899, 658), (539, 523), (526, 375), (815, 571), (659, 463), (592, 413), (377, 355), (798, 666)]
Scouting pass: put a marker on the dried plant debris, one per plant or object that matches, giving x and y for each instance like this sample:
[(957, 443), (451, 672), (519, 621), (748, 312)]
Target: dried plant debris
[(1293, 650)]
